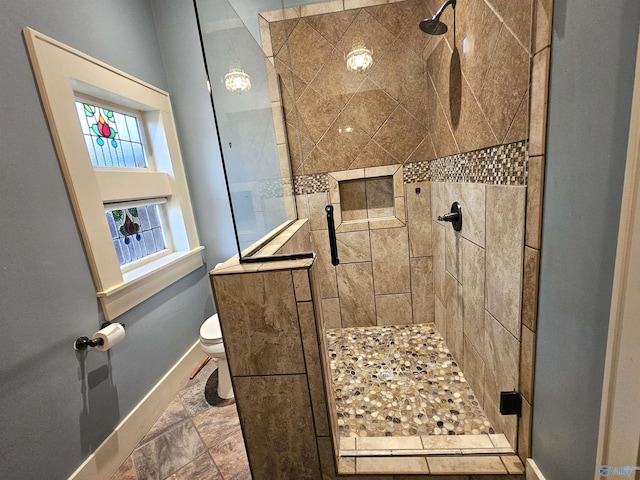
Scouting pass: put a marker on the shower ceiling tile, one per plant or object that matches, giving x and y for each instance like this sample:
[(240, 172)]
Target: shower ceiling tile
[(477, 30), (517, 16), (318, 112), (398, 72), (308, 50), (400, 134), (506, 82), (343, 142), (368, 31), (332, 27), (370, 107), (373, 155), (357, 304)]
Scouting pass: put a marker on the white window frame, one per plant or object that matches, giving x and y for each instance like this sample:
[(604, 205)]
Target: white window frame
[(63, 74)]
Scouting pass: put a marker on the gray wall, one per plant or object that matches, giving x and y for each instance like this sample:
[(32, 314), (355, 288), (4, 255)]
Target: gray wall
[(57, 405), (592, 71)]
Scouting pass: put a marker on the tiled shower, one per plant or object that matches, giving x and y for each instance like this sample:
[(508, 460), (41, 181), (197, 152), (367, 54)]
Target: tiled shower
[(435, 120)]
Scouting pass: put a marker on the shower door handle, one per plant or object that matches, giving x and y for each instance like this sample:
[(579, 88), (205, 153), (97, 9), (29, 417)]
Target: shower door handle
[(333, 245)]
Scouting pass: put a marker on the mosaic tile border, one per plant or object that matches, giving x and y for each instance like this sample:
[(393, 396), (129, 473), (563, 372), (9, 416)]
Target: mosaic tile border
[(498, 165)]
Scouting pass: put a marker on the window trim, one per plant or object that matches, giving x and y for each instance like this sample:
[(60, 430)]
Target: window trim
[(64, 74)]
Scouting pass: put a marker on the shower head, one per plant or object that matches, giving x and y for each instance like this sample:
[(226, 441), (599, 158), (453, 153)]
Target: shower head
[(433, 26)]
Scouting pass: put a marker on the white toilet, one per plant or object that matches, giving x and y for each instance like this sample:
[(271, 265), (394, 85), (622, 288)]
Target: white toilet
[(211, 344)]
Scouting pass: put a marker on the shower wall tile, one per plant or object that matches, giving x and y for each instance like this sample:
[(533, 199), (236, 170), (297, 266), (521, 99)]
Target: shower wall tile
[(438, 260), (355, 286), (422, 295), (400, 134), (380, 202), (419, 218), (353, 200), (527, 363), (473, 212), (326, 271), (307, 321), (473, 368), (390, 253), (519, 128), (530, 288), (504, 254), (354, 247), (455, 328), (270, 343), (453, 250), (473, 294), (539, 96), (524, 431), (394, 309), (441, 317), (489, 465), (535, 187), (517, 16), (542, 25), (282, 404), (301, 285), (331, 312)]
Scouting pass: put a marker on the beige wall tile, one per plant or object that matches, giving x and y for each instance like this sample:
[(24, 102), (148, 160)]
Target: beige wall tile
[(346, 465), (419, 218), (466, 465), (543, 19), (355, 285), (441, 442), (453, 251), (530, 288), (394, 309), (400, 210), (502, 357), (524, 431), (539, 95), (473, 212), (347, 443), (379, 193), (327, 459), (439, 204), (473, 367), (517, 17), (317, 389), (353, 200), (441, 317), (382, 171), (317, 214), (334, 189), (391, 465), (265, 37), (513, 464), (354, 226), (390, 253), (331, 312), (348, 4), (422, 296), (320, 8), (326, 271), (504, 254), (344, 175), (377, 223), (260, 323), (438, 260), (301, 285), (354, 247), (278, 407), (527, 363), (535, 187), (455, 340), (473, 294), (499, 441)]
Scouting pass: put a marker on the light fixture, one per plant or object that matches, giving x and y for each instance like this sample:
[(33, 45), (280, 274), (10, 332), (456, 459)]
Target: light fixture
[(237, 80), (359, 59)]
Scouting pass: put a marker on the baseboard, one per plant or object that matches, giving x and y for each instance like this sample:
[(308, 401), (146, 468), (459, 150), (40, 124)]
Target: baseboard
[(103, 463), (533, 472)]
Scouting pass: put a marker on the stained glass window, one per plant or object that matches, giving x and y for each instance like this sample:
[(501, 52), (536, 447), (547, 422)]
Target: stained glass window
[(136, 232), (113, 139)]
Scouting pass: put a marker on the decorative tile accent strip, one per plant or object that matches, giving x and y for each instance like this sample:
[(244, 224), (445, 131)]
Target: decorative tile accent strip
[(314, 183), (498, 165), (400, 381)]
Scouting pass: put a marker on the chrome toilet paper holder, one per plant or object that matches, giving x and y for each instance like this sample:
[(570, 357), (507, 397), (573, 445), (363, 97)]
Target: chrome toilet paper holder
[(82, 343)]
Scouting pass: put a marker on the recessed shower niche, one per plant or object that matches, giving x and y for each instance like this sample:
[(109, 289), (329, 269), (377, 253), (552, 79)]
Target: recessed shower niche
[(367, 198)]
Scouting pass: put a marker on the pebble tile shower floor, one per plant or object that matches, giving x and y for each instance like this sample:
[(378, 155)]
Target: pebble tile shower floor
[(400, 380)]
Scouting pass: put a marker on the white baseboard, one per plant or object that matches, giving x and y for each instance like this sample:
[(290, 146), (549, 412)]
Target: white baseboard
[(533, 472), (105, 461)]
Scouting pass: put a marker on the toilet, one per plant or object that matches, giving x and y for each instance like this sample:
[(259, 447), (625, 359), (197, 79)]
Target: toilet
[(211, 344)]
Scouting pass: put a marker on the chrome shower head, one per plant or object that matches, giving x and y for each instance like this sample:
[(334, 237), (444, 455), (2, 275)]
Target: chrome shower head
[(433, 26)]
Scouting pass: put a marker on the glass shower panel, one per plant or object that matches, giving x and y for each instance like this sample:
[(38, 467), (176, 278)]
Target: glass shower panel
[(251, 128)]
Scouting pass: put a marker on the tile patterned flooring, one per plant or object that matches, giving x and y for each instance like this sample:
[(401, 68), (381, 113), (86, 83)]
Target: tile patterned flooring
[(198, 437), (400, 381)]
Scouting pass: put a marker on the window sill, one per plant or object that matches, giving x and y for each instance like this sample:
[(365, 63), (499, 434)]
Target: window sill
[(144, 282)]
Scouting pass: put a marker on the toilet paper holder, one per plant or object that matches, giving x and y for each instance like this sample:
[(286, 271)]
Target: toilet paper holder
[(82, 343)]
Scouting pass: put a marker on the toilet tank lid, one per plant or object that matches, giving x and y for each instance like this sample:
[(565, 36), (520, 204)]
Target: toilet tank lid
[(210, 329)]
